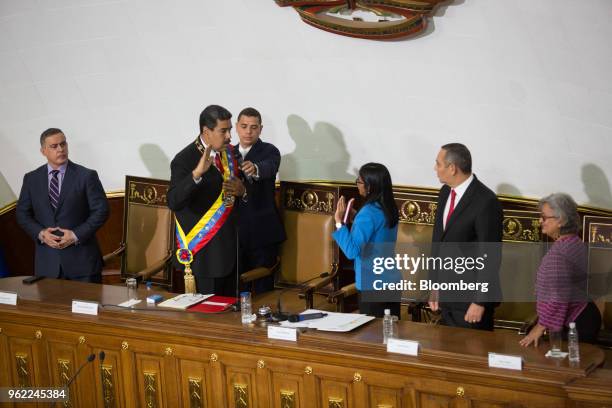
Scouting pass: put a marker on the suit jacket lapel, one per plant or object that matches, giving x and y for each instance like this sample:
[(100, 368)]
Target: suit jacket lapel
[(253, 151), (67, 183), (465, 201)]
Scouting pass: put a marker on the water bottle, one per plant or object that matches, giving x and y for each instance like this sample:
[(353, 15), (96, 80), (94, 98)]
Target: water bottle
[(245, 307), (572, 343), (389, 322)]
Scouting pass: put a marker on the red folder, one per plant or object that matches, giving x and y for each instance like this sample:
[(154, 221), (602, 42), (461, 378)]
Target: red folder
[(206, 307)]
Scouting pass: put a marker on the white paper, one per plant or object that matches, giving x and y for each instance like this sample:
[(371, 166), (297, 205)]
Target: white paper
[(559, 354), (129, 303), (336, 322), (505, 361), (407, 347), (8, 298), (282, 333), (90, 308)]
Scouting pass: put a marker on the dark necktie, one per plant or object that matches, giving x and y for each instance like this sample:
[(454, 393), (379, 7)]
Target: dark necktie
[(54, 189), (452, 206)]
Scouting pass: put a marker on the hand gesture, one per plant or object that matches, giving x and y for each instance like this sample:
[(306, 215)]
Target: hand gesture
[(248, 168), (203, 165), (234, 187), (49, 238), (340, 209), (67, 239)]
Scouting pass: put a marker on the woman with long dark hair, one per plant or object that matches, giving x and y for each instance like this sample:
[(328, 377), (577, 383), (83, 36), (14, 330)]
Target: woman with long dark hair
[(373, 234)]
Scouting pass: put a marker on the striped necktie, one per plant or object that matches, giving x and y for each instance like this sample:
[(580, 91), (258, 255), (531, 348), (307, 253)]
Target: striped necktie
[(54, 189)]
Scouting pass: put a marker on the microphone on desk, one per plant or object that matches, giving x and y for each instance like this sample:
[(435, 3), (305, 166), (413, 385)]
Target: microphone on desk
[(279, 316), (308, 316), (90, 358)]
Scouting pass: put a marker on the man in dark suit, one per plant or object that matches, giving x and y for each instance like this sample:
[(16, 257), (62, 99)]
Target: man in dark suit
[(202, 187), (467, 212), (61, 206), (261, 230)]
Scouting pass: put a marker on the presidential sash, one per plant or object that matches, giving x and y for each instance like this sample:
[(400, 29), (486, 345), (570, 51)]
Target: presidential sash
[(205, 229)]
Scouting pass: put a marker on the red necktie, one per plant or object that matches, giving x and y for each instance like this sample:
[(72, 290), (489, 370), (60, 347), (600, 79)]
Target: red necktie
[(452, 206), (218, 162)]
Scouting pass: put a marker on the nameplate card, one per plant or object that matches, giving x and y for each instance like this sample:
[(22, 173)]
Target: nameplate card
[(8, 298), (89, 308), (406, 347), (282, 333), (505, 361)]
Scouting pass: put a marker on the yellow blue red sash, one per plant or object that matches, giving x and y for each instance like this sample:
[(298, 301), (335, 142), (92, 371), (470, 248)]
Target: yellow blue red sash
[(210, 223)]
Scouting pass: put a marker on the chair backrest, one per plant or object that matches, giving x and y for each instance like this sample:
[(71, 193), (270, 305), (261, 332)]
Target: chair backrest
[(148, 227), (308, 216), (597, 232)]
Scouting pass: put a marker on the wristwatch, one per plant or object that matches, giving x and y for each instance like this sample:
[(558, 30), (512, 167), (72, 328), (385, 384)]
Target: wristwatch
[(338, 225)]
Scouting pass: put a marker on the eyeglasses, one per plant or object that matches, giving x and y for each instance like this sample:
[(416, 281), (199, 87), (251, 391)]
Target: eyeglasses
[(357, 181), (546, 217)]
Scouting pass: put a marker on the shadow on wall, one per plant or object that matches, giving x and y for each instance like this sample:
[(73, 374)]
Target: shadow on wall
[(508, 189), (320, 152), (156, 161), (7, 195), (596, 186)]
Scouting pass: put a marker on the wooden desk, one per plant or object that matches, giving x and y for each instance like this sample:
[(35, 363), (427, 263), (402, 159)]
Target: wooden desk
[(170, 359)]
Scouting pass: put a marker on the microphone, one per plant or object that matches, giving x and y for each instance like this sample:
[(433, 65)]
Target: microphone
[(90, 358), (279, 316), (308, 316)]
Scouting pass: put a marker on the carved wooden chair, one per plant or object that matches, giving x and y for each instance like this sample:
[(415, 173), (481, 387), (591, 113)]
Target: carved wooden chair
[(597, 232), (146, 248), (307, 212)]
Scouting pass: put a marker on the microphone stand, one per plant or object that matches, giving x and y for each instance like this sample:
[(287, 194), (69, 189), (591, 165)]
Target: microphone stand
[(90, 358), (279, 316)]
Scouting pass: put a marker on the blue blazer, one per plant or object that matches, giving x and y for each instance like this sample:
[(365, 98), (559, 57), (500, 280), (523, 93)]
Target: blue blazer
[(369, 227), (82, 208)]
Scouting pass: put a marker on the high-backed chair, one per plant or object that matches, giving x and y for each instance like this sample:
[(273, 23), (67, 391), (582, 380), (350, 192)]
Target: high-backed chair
[(307, 212), (597, 233), (148, 226)]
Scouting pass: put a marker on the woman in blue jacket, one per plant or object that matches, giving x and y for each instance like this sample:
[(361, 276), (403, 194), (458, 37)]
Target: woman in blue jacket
[(373, 234)]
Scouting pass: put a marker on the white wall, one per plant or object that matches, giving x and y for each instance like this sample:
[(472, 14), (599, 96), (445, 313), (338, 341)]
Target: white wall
[(527, 85)]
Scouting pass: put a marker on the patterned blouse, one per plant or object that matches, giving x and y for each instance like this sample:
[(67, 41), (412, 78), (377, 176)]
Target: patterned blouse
[(561, 283)]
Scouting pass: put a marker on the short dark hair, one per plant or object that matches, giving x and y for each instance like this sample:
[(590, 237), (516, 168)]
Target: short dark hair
[(47, 133), (251, 113), (211, 115), (459, 155), (379, 189)]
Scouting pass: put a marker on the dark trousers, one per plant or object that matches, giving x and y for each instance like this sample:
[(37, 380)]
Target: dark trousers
[(225, 286), (456, 318), (95, 278), (259, 257), (588, 324)]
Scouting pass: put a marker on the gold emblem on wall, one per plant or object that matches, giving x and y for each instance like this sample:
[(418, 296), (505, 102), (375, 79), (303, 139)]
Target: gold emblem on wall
[(600, 234), (370, 19), (310, 201), (418, 212)]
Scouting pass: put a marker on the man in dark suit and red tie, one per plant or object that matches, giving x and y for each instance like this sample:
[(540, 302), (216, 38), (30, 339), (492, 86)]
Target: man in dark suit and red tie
[(261, 230), (467, 212), (204, 185), (61, 206)]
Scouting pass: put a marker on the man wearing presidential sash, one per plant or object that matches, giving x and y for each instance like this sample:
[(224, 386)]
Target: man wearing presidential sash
[(204, 185)]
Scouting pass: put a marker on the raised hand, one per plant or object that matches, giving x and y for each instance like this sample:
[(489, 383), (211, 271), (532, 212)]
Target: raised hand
[(203, 165)]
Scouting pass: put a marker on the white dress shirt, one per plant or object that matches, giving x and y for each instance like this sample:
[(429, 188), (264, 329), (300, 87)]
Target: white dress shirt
[(459, 191)]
